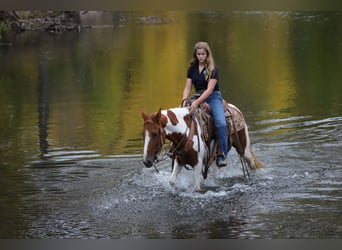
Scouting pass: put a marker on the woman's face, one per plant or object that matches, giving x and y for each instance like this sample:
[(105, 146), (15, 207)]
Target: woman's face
[(201, 55)]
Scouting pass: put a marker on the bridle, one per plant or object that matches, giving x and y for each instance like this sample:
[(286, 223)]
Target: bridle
[(166, 153)]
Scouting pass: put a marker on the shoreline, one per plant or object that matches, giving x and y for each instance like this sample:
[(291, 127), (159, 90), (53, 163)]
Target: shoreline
[(49, 21)]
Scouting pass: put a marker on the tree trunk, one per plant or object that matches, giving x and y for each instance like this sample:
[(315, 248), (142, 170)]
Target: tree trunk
[(8, 16)]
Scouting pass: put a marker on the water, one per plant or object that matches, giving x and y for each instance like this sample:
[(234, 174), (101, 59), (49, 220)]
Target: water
[(71, 145)]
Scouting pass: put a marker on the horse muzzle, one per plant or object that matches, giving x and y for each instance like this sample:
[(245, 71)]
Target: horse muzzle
[(148, 163)]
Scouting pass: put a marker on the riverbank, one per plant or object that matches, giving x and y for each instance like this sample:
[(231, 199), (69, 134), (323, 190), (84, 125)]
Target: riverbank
[(61, 21), (50, 21)]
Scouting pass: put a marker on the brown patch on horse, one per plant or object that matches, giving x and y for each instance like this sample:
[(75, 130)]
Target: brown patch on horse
[(173, 119), (239, 141), (187, 156), (183, 147), (178, 140), (187, 120), (163, 121)]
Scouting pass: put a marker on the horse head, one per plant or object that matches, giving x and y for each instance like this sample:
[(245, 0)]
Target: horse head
[(154, 136)]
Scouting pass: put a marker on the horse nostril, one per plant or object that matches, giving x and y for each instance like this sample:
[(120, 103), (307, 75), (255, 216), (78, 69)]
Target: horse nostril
[(148, 163)]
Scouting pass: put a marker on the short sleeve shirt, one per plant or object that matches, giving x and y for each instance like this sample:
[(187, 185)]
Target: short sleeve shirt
[(198, 78)]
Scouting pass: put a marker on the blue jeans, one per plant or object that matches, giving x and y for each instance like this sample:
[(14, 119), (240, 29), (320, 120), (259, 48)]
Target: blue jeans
[(216, 106)]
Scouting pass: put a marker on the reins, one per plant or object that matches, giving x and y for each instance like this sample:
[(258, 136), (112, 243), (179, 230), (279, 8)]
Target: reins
[(162, 156), (195, 129)]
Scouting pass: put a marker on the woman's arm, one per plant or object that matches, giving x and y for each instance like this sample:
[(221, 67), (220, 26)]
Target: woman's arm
[(205, 94), (187, 88)]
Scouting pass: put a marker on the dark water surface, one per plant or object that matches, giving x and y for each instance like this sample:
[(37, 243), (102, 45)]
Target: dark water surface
[(70, 127)]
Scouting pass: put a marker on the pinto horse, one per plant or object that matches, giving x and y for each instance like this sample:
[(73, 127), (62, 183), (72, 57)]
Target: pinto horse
[(193, 138)]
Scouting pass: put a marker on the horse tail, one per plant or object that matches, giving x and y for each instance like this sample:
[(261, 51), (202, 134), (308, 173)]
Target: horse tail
[(256, 161), (249, 155)]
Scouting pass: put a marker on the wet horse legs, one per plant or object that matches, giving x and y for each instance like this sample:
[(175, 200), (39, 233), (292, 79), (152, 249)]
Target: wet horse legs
[(197, 175), (176, 170)]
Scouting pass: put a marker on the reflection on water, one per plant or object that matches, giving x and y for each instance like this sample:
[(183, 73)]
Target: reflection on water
[(70, 141), (43, 106)]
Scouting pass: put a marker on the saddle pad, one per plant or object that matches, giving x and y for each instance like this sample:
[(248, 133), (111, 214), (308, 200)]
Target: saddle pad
[(235, 120)]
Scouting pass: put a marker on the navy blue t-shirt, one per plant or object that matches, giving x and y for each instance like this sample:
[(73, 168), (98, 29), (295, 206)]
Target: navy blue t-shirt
[(198, 78)]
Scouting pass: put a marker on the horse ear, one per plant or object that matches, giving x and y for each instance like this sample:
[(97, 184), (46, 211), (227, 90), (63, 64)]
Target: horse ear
[(144, 115), (156, 116)]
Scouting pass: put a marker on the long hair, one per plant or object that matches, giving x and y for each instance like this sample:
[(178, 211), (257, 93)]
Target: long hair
[(210, 63)]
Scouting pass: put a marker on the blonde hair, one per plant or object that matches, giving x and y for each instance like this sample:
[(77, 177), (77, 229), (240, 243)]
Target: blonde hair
[(210, 63)]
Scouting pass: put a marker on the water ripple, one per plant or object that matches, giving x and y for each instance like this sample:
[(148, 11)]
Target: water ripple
[(301, 130)]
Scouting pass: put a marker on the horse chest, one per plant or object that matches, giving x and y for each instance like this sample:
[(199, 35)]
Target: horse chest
[(187, 155)]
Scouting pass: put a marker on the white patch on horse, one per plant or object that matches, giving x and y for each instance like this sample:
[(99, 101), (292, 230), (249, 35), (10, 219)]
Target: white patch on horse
[(181, 127), (147, 141)]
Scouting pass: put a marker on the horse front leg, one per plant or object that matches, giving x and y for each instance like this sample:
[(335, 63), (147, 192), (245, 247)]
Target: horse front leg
[(197, 177), (176, 170)]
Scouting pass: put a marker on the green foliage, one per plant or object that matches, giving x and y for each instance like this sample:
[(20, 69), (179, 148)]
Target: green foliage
[(3, 28)]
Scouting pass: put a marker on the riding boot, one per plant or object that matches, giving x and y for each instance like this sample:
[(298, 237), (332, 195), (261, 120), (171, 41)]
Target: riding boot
[(221, 160)]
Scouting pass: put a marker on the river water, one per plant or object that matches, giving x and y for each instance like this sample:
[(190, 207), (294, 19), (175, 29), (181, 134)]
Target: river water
[(70, 137)]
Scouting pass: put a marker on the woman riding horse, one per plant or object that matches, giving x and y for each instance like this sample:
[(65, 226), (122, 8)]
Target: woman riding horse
[(203, 74)]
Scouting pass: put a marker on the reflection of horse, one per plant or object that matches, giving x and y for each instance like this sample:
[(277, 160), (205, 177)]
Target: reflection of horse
[(193, 139)]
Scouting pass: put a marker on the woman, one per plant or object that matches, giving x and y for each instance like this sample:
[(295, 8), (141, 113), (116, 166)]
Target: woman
[(203, 74)]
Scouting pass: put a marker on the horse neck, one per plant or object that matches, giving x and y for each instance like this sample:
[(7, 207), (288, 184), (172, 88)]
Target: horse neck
[(175, 121)]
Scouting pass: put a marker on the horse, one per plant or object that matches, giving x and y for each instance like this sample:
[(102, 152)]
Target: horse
[(193, 139)]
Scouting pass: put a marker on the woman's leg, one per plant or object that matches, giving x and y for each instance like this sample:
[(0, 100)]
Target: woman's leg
[(216, 106)]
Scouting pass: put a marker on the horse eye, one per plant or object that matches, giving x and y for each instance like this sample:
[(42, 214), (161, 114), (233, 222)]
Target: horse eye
[(154, 135)]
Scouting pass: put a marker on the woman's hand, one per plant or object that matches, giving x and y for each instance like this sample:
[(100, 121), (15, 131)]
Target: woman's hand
[(193, 106), (204, 96)]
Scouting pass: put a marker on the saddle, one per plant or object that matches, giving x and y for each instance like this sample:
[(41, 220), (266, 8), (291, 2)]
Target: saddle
[(205, 120), (234, 120), (235, 123)]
